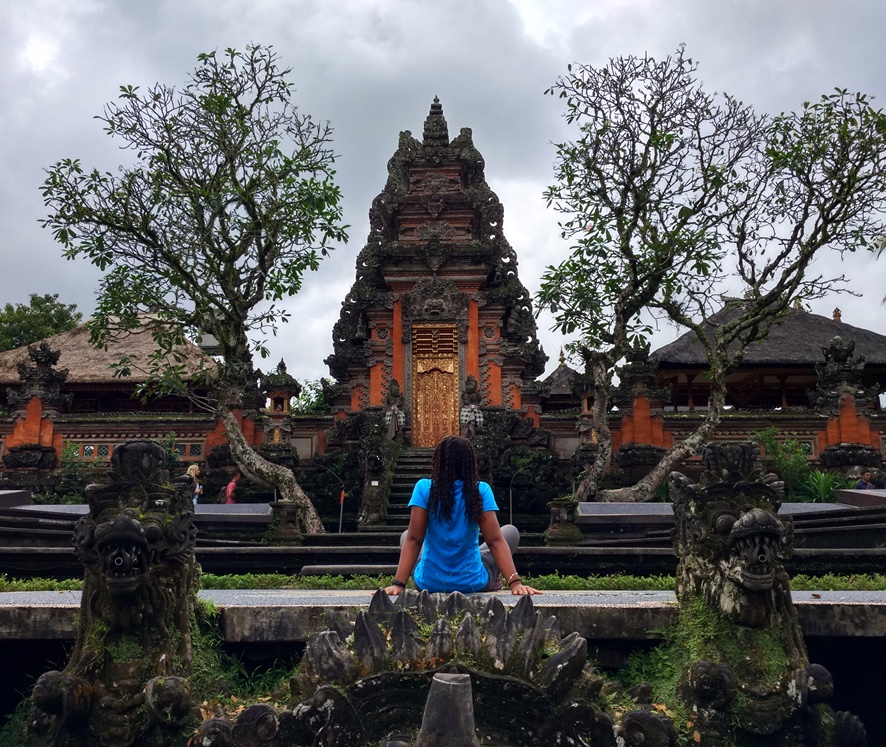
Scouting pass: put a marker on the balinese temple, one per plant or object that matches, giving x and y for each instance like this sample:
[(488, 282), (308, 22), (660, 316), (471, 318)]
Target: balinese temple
[(437, 299), (437, 322), (817, 379), (63, 394)]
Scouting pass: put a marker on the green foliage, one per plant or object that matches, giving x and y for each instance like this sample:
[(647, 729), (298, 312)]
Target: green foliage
[(74, 473), (42, 317), (13, 732), (231, 200), (821, 487), (547, 582), (172, 456), (802, 483), (125, 649), (311, 400), (789, 460), (534, 478)]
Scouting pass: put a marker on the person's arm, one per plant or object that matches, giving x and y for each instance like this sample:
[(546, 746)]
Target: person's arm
[(501, 553), (415, 536)]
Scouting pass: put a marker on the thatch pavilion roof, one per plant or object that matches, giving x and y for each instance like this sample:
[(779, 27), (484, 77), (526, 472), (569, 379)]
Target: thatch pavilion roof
[(89, 365), (795, 341)]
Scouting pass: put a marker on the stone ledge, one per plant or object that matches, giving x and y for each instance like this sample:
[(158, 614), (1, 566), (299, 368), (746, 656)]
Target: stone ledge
[(291, 616)]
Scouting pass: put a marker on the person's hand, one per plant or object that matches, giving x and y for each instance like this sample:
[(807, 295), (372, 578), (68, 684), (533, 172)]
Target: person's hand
[(518, 590), (393, 591)]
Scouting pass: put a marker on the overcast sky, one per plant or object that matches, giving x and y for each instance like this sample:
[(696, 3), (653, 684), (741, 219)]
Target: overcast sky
[(372, 67)]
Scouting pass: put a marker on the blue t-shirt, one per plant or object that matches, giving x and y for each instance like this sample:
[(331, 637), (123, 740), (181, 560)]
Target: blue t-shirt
[(450, 556)]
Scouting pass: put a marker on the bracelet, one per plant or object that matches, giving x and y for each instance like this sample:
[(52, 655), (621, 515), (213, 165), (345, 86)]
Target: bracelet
[(515, 581), (397, 582), (513, 576)]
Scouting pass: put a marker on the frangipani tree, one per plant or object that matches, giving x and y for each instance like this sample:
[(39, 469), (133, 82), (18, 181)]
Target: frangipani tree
[(674, 196), (229, 202)]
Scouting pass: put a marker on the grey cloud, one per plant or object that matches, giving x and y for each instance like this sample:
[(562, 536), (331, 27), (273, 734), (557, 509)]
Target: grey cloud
[(372, 68)]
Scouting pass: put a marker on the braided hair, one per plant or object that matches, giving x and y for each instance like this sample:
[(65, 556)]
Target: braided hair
[(454, 459)]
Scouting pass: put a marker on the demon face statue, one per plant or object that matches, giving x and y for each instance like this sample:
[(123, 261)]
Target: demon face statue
[(747, 675), (730, 542), (127, 680)]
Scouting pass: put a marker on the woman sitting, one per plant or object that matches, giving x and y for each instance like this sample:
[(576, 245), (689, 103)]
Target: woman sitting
[(448, 513)]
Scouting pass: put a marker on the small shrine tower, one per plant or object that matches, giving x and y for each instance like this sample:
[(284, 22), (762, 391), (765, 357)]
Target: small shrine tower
[(437, 298)]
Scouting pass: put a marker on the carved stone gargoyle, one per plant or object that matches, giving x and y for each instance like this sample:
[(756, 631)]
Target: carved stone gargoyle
[(127, 681), (746, 676)]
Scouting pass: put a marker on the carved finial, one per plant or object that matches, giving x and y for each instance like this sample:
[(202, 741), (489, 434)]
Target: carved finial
[(562, 357), (838, 315), (436, 132)]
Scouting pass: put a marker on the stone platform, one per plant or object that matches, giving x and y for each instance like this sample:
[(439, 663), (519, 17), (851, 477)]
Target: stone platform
[(292, 616)]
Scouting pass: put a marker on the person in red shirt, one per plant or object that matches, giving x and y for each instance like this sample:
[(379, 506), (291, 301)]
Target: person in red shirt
[(230, 496)]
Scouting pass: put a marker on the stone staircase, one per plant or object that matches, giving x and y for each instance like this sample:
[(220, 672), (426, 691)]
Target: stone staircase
[(412, 465)]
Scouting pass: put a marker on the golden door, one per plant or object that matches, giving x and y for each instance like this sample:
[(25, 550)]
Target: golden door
[(434, 383)]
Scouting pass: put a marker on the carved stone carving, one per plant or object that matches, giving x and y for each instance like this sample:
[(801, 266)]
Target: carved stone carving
[(456, 220), (434, 300), (42, 381), (637, 455), (127, 679), (636, 378), (732, 546), (30, 456), (529, 685), (839, 376), (850, 455)]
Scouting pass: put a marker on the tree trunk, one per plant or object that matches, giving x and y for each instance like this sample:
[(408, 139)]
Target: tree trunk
[(260, 470), (587, 491), (645, 489)]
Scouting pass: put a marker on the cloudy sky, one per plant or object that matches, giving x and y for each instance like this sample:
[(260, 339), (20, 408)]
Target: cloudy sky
[(372, 67)]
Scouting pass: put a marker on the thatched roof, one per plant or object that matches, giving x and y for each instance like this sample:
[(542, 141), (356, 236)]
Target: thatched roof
[(89, 365), (796, 341), (561, 380)]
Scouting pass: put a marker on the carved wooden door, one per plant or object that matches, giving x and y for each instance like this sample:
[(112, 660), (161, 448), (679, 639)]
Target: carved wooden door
[(434, 383)]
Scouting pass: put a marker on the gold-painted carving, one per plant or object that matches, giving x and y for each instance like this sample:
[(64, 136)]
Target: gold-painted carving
[(435, 384)]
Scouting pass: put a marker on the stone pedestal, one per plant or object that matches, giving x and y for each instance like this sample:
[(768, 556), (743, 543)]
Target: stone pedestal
[(562, 530), (840, 456), (30, 456), (286, 515)]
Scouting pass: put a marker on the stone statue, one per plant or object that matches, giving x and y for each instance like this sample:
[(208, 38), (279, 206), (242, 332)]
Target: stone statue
[(395, 418), (747, 676), (127, 681), (470, 416)]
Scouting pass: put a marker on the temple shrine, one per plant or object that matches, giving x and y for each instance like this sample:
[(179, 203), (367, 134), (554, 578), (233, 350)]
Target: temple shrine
[(437, 299)]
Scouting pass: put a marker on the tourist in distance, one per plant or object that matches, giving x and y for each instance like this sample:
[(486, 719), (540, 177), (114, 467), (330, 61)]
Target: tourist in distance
[(865, 482), (194, 474), (231, 491), (448, 513)]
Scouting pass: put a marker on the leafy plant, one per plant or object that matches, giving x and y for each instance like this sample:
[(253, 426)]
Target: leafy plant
[(821, 487), (788, 459), (311, 400)]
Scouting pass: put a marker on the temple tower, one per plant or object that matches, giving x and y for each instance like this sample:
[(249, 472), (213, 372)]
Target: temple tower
[(437, 298)]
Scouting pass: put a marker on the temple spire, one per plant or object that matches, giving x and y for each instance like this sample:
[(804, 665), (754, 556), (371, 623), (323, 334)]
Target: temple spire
[(436, 132)]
